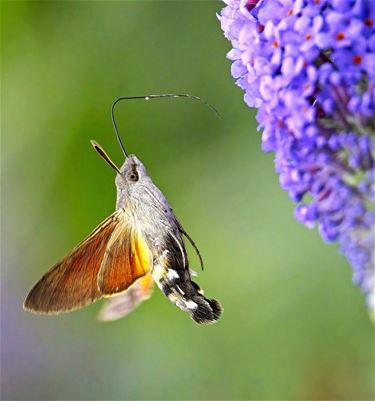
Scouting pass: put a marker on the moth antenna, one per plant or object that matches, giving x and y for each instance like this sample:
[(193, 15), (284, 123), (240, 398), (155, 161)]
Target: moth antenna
[(148, 97)]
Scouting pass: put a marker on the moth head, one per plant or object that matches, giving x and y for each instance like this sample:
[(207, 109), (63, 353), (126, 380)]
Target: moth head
[(131, 172)]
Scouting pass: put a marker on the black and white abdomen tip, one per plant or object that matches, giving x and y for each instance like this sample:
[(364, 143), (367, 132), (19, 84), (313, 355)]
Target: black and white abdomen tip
[(186, 294), (207, 310)]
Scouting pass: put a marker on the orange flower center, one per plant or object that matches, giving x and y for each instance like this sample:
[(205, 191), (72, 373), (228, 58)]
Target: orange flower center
[(357, 60), (340, 36)]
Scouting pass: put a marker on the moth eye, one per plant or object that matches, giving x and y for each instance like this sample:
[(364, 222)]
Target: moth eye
[(133, 176)]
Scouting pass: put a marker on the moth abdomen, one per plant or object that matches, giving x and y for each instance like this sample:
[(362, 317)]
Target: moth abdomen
[(207, 310), (186, 294)]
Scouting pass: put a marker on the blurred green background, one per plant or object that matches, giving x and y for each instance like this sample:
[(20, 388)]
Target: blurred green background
[(294, 326)]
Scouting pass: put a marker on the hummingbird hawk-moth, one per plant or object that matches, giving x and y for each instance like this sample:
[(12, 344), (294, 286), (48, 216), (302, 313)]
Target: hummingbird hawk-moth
[(140, 243)]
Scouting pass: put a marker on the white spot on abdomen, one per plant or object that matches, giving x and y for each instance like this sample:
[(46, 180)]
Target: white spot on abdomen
[(191, 305), (179, 290), (172, 274)]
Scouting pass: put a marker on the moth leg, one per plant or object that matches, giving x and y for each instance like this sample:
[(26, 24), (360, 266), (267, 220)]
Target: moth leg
[(182, 231)]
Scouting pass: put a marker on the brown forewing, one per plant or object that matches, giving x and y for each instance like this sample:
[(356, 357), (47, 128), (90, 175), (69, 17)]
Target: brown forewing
[(126, 259), (72, 283)]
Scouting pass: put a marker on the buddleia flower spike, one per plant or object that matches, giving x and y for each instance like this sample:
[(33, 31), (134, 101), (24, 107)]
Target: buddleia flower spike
[(309, 68)]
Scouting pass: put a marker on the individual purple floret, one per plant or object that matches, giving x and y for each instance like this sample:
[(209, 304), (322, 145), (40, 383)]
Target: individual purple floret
[(308, 66)]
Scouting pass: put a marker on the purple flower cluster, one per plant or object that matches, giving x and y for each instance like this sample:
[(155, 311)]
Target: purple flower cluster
[(309, 68)]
